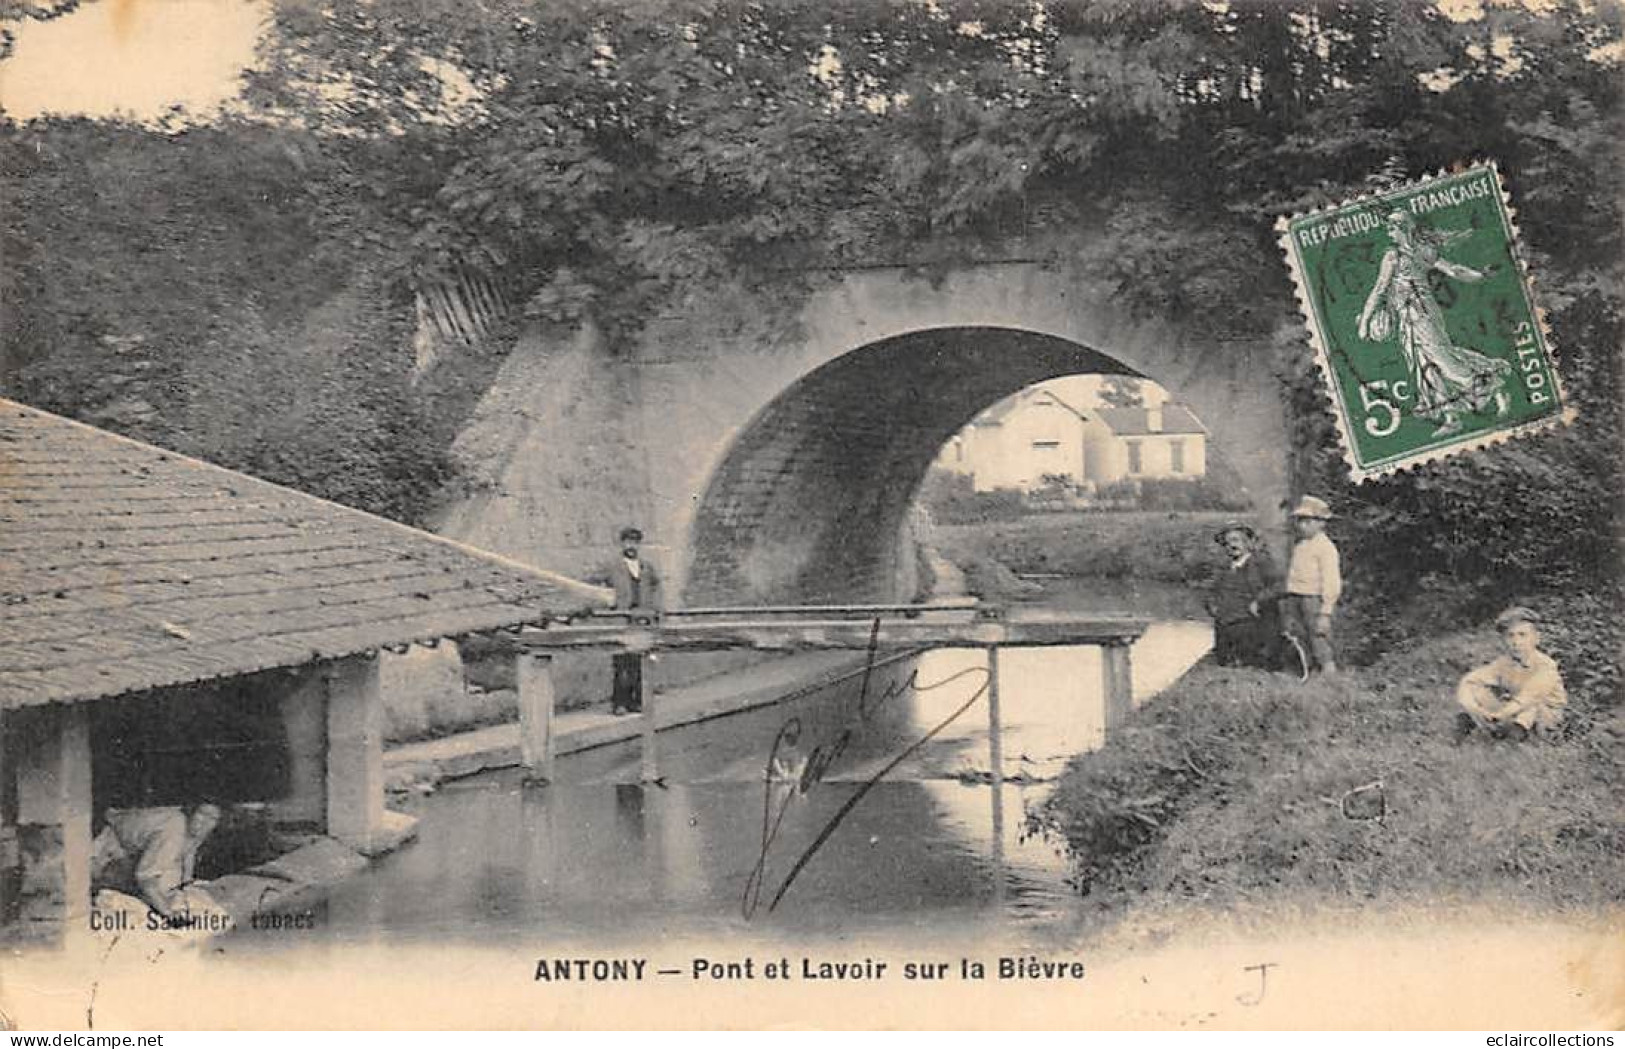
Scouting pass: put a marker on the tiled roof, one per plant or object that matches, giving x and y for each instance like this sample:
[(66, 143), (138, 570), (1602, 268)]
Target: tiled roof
[(124, 567), (1000, 411), (995, 414), (1135, 422), (1058, 401)]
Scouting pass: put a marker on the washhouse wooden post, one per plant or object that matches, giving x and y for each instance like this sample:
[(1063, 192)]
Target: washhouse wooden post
[(304, 719), (537, 750), (355, 752), (53, 817)]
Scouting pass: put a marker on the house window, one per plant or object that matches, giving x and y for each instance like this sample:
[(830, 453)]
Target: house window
[(1176, 456), (1134, 464), (1046, 446)]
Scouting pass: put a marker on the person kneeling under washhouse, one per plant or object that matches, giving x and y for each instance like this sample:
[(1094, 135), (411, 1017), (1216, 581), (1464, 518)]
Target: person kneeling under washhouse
[(150, 853)]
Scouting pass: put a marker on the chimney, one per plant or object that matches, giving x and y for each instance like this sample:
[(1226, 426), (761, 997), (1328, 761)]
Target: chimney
[(1153, 419)]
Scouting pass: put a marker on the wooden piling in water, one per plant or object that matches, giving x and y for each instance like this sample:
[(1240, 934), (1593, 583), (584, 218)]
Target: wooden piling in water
[(995, 753), (533, 673), (1117, 684), (651, 757)]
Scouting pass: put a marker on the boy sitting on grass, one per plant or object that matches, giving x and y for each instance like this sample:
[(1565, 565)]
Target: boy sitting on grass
[(1519, 694)]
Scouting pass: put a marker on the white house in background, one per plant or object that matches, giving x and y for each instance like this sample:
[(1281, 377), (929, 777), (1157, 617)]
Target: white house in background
[(1018, 442), (1141, 443), (1040, 433)]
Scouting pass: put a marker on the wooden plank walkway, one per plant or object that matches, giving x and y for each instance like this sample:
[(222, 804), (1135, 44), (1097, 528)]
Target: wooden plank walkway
[(809, 628), (873, 628)]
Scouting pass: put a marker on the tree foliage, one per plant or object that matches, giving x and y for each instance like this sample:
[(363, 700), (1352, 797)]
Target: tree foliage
[(217, 290), (608, 157), (1121, 391), (608, 160)]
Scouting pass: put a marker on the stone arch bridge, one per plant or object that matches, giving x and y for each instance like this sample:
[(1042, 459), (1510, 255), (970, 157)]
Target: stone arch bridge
[(768, 468)]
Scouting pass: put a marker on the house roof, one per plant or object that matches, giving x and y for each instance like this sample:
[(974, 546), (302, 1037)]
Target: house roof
[(126, 567), (1061, 402), (1135, 422), (995, 415)]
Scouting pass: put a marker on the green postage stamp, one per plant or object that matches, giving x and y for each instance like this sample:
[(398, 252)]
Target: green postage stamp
[(1420, 312)]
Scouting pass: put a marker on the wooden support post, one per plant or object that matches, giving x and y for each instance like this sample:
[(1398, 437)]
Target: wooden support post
[(53, 818), (995, 753), (651, 756), (995, 735), (355, 753), (304, 719), (534, 674), (1117, 684)]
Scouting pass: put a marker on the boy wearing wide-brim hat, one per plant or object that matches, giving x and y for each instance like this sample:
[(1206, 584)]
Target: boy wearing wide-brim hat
[(1314, 582), (1245, 622)]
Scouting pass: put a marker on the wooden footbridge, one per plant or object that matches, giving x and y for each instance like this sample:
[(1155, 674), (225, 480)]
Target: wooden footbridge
[(796, 628)]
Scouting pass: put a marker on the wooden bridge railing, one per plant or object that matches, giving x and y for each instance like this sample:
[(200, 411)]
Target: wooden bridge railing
[(790, 628)]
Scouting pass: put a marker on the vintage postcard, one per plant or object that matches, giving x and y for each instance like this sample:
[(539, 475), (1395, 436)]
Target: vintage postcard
[(1420, 310), (562, 516)]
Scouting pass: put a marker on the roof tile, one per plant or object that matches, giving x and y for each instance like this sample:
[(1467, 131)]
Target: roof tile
[(124, 567)]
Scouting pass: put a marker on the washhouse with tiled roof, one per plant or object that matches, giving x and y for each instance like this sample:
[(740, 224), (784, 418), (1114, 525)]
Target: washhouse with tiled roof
[(170, 630)]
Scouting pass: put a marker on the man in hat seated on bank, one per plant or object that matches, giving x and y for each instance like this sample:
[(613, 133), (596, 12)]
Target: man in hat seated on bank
[(1314, 582), (1242, 602), (637, 586), (1519, 694)]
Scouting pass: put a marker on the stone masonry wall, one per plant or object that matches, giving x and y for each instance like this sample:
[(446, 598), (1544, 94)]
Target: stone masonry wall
[(737, 405), (769, 440)]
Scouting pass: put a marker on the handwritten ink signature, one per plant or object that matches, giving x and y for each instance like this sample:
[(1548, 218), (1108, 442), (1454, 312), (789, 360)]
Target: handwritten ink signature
[(785, 778), (1263, 970)]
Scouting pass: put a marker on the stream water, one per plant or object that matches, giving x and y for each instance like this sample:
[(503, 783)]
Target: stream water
[(895, 828)]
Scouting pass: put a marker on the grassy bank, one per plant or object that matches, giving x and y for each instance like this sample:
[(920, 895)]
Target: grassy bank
[(1239, 785)]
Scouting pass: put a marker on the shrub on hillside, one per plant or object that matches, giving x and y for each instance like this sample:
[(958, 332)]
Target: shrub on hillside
[(1174, 494), (952, 498), (230, 292), (1584, 631), (1450, 542), (1172, 547)]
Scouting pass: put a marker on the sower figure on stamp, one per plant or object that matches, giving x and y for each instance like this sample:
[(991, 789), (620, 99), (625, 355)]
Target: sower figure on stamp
[(637, 585), (1243, 600), (1519, 694), (1314, 582), (1448, 379)]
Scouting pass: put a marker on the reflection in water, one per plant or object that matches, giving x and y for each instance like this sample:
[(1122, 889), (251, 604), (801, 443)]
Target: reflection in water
[(995, 752), (934, 848)]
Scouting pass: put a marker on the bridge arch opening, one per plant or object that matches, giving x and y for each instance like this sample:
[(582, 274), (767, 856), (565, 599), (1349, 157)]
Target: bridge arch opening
[(810, 501)]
